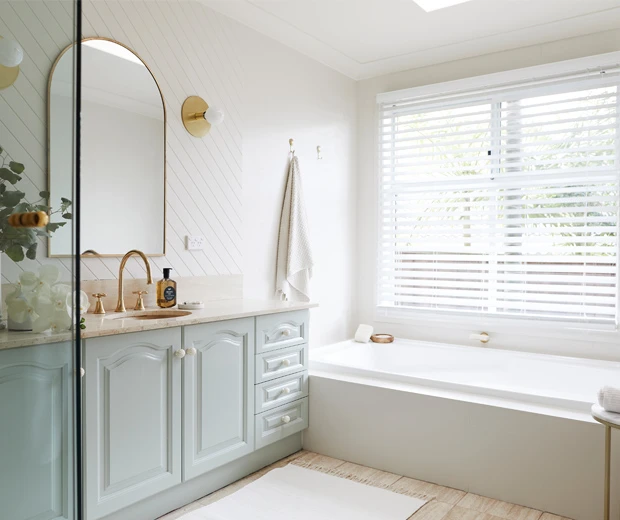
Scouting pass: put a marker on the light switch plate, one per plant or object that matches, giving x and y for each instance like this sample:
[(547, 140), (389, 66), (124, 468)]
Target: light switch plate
[(195, 242)]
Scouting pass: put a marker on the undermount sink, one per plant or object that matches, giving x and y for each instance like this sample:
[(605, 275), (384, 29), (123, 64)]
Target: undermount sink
[(153, 315)]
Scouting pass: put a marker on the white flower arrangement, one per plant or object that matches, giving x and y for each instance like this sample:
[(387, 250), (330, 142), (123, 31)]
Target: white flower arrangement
[(39, 303)]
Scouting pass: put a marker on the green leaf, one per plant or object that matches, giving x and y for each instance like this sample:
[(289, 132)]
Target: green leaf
[(24, 237), (68, 216), (9, 176), (10, 199), (31, 252), (41, 233), (65, 201), (22, 207), (2, 188), (1, 149), (16, 167), (53, 226), (44, 194), (15, 253)]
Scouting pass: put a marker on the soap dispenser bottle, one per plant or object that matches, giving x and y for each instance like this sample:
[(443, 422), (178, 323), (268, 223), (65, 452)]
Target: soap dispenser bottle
[(166, 291)]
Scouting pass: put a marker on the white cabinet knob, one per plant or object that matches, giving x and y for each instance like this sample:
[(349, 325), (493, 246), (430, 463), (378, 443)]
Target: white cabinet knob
[(286, 362), (286, 419), (191, 351), (286, 390), (179, 353), (286, 332)]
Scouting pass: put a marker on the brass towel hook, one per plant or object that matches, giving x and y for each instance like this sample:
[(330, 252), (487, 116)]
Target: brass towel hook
[(290, 144)]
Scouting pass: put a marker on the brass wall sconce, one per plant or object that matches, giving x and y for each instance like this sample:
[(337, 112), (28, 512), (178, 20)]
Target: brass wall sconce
[(11, 55), (198, 117)]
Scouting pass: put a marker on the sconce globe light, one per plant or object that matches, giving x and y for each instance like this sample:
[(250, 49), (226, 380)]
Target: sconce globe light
[(11, 55), (214, 115), (198, 117)]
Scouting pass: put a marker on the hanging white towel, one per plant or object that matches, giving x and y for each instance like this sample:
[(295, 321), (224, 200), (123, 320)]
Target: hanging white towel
[(609, 398), (294, 262)]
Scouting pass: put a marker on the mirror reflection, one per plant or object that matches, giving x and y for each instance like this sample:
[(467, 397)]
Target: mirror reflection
[(122, 156)]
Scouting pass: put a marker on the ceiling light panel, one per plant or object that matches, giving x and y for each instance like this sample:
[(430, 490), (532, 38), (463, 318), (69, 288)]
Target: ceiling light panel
[(434, 5)]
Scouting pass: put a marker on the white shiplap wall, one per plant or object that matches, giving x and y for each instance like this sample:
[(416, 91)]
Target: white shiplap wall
[(189, 51)]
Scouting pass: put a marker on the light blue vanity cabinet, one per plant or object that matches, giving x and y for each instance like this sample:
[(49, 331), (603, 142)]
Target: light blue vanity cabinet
[(132, 431), (36, 396), (170, 406), (218, 394), (281, 393)]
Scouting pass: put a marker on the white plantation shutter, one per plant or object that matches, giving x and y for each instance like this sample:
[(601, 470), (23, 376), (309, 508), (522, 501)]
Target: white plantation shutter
[(503, 203)]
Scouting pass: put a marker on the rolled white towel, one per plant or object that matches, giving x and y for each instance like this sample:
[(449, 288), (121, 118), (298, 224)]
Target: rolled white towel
[(609, 398)]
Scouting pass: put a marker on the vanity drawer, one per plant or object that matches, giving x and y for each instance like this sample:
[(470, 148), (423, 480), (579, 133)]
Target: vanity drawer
[(283, 362), (281, 422), (285, 329), (280, 391)]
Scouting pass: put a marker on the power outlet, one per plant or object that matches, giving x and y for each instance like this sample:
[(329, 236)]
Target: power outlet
[(194, 243)]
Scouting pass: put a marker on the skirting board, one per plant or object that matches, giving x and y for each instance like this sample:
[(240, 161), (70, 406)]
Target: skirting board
[(538, 461), (196, 488)]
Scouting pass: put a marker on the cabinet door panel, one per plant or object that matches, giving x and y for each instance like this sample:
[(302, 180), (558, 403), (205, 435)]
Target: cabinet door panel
[(218, 405), (35, 432), (133, 400)]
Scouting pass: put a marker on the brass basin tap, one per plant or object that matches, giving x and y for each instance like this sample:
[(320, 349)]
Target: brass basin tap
[(120, 306)]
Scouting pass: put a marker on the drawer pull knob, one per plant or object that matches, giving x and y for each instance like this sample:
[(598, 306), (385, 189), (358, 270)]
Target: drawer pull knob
[(286, 362), (191, 351), (286, 332), (286, 419), (179, 353), (286, 390)]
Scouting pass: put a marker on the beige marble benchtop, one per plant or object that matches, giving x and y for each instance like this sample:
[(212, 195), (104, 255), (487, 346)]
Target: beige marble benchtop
[(116, 323)]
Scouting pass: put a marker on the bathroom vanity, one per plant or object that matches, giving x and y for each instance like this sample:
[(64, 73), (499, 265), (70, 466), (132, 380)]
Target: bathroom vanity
[(173, 409), (175, 404)]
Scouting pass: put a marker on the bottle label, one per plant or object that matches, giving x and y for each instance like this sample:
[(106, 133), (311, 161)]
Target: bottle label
[(169, 294)]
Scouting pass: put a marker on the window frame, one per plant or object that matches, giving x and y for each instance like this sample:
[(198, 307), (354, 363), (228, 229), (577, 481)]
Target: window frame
[(541, 335)]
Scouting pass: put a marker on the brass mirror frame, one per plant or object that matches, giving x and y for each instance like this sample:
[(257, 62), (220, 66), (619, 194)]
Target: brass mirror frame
[(91, 253)]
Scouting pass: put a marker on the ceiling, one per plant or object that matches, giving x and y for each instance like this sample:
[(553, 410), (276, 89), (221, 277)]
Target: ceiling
[(366, 38)]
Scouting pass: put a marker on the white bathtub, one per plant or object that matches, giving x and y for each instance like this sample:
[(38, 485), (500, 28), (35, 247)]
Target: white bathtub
[(562, 386), (508, 425)]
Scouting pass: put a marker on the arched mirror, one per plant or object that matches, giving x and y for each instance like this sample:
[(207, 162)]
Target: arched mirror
[(123, 151)]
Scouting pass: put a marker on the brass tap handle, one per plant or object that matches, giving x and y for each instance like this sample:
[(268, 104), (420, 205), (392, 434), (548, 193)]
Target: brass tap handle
[(139, 302), (99, 305)]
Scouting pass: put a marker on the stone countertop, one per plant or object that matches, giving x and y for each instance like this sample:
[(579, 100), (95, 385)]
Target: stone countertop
[(121, 323)]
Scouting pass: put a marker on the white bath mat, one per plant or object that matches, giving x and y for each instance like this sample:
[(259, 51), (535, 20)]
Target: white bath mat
[(294, 493)]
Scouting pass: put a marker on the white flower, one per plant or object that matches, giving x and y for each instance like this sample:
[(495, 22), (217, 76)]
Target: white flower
[(48, 303), (58, 295), (28, 279), (19, 307), (58, 321), (48, 275), (83, 303)]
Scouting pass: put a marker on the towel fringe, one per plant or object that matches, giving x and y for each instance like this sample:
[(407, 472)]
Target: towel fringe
[(335, 472)]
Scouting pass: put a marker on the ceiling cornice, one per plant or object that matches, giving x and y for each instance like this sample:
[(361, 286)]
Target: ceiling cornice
[(269, 24)]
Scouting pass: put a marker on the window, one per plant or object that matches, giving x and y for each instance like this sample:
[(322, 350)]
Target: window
[(502, 202)]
